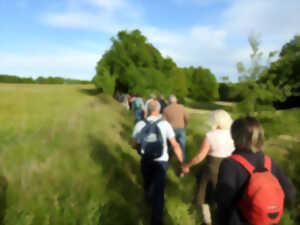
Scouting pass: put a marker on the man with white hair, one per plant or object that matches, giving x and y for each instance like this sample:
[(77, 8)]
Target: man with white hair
[(177, 116), (152, 97), (154, 169)]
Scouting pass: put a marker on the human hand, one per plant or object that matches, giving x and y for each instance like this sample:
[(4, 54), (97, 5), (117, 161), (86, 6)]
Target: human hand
[(185, 168)]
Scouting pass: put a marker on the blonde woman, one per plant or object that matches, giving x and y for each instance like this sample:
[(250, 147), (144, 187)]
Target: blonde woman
[(217, 145)]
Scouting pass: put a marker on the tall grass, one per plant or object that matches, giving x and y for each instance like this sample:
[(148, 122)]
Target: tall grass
[(65, 157)]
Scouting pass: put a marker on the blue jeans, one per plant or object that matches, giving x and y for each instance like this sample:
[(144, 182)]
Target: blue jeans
[(154, 176), (181, 139)]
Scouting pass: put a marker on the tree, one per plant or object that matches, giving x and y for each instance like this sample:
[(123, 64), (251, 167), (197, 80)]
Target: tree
[(105, 82), (255, 92), (139, 67), (284, 74), (203, 84)]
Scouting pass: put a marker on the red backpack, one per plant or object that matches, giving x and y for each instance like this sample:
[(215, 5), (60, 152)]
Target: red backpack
[(263, 199)]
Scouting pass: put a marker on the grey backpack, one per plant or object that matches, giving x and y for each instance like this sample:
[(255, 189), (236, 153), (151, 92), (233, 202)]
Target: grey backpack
[(150, 141)]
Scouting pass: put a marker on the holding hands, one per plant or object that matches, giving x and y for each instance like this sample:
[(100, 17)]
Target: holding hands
[(185, 168)]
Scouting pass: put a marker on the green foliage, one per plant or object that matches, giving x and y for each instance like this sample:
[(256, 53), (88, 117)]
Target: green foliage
[(141, 69), (139, 66), (202, 84), (283, 74), (233, 91), (256, 92), (105, 82), (179, 83)]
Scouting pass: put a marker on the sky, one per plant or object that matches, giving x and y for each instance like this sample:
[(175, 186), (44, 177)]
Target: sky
[(68, 37)]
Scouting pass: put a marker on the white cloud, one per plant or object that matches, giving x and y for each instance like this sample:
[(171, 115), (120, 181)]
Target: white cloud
[(218, 48), (200, 2), (274, 19), (61, 62), (109, 4), (83, 20)]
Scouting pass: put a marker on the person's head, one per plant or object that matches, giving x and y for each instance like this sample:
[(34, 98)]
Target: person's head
[(153, 96), (220, 119), (153, 108), (247, 134), (172, 99)]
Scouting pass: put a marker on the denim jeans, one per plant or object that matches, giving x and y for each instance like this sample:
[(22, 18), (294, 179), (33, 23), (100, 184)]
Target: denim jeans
[(154, 176), (181, 139)]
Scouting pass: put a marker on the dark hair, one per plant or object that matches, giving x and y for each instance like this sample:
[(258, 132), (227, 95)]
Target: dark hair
[(247, 134)]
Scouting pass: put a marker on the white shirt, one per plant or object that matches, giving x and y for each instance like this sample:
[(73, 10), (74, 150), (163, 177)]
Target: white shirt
[(221, 143), (166, 132)]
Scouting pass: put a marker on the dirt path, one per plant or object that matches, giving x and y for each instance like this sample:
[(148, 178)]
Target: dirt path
[(197, 111)]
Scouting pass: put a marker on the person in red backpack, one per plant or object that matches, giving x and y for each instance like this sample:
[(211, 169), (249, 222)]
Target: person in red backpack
[(251, 188)]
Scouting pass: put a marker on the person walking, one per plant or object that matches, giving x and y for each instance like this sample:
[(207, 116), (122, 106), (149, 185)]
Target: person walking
[(152, 97), (236, 188), (177, 116), (217, 145), (154, 168), (138, 107), (162, 103)]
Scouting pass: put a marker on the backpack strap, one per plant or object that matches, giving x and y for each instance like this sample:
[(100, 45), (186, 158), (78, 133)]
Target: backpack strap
[(146, 121), (268, 163), (157, 121), (244, 162)]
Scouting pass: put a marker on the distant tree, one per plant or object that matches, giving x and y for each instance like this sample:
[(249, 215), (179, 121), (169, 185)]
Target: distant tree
[(284, 74), (203, 84), (224, 79), (179, 82), (255, 92), (139, 66)]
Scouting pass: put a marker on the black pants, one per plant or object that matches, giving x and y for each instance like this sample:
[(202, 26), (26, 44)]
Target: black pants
[(154, 175)]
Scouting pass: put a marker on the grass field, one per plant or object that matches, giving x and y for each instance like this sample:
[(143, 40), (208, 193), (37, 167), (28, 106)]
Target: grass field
[(65, 155)]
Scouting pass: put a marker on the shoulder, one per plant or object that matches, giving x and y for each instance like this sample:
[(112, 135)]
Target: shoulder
[(230, 165), (139, 125), (164, 123), (211, 134)]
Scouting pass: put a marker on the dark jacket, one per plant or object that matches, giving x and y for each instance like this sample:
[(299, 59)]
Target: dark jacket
[(232, 181)]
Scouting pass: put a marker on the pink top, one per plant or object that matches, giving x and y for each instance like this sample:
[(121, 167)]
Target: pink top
[(220, 142)]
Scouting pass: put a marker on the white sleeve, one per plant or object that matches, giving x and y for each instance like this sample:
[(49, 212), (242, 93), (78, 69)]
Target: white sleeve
[(138, 127), (169, 130)]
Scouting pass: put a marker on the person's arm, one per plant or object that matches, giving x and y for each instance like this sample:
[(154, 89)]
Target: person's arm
[(133, 143), (137, 128), (199, 157), (286, 185), (176, 149), (226, 192)]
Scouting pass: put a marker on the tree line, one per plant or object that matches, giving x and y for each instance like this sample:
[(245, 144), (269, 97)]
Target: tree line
[(40, 80), (275, 83), (133, 65)]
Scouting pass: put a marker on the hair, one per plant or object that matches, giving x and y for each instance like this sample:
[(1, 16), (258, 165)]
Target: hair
[(220, 119), (247, 134), (172, 98), (153, 106), (153, 96)]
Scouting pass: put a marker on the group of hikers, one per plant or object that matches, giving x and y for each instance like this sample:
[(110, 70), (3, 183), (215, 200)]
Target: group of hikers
[(240, 184)]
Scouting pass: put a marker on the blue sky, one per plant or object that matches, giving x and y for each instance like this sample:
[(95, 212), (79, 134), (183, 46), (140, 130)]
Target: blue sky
[(67, 37)]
